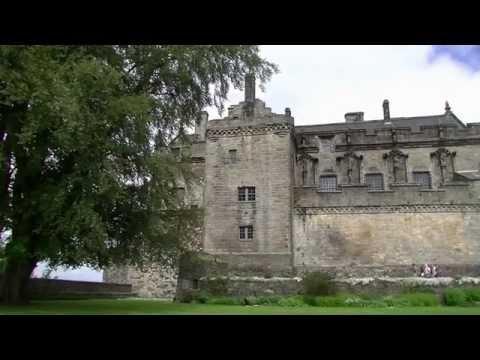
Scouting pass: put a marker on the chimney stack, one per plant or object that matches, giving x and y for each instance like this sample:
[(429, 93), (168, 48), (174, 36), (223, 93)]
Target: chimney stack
[(353, 117), (386, 110), (201, 126), (250, 88)]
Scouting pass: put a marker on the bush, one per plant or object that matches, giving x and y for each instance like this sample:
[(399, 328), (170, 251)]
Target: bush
[(454, 297), (217, 287), (263, 300), (224, 301), (328, 301), (317, 283), (472, 295), (418, 289), (412, 299), (201, 297), (291, 301)]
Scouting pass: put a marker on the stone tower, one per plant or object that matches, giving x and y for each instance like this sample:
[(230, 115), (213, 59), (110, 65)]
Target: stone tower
[(248, 193)]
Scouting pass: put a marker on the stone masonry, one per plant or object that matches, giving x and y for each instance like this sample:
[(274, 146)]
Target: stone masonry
[(356, 199)]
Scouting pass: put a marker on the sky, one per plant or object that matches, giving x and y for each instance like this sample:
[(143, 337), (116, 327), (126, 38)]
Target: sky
[(322, 83)]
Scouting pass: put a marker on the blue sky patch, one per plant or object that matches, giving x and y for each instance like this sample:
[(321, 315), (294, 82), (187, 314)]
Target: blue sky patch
[(465, 55)]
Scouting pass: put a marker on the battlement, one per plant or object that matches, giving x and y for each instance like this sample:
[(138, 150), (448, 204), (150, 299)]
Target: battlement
[(385, 138)]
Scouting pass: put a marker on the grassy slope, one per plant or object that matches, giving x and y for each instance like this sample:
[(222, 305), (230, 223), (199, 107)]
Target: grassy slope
[(145, 307)]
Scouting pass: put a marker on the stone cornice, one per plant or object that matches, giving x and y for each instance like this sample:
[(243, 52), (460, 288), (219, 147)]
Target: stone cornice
[(249, 130), (419, 208), (408, 144)]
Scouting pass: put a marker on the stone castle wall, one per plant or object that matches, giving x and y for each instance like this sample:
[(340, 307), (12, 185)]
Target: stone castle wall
[(376, 239), (263, 159), (154, 281)]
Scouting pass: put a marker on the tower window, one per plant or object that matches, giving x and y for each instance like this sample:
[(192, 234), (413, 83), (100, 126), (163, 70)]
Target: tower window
[(422, 178), (233, 156), (374, 182), (246, 232), (328, 183), (251, 193), (246, 193)]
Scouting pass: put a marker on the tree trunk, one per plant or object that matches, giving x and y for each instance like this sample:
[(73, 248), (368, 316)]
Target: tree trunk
[(15, 281)]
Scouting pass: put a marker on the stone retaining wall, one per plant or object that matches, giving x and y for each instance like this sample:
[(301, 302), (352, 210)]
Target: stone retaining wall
[(54, 288), (257, 286)]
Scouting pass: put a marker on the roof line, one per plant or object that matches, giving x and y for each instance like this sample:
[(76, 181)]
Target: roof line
[(381, 120)]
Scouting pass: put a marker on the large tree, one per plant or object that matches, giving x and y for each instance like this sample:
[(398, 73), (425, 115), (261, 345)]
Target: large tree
[(85, 178)]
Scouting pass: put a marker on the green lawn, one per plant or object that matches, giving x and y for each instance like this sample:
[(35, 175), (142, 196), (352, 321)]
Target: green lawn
[(147, 307)]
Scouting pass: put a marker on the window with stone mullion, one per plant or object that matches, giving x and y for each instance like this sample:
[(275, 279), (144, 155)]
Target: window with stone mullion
[(423, 179), (374, 182), (328, 183)]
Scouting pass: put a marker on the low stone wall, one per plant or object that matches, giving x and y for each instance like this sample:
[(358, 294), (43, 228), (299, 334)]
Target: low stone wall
[(391, 285), (154, 281), (57, 289), (258, 286), (390, 271)]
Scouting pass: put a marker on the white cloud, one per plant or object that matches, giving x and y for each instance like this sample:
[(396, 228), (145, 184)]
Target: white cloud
[(322, 83)]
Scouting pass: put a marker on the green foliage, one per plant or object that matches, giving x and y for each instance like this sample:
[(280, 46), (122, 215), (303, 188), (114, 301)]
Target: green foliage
[(262, 300), (225, 301), (291, 301), (2, 261), (418, 289), (472, 295), (454, 297), (86, 177), (217, 287), (413, 299), (318, 283)]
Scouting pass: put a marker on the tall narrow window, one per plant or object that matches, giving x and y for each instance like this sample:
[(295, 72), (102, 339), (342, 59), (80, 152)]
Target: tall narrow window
[(422, 178), (374, 182), (328, 183), (246, 193), (242, 194), (233, 156), (251, 193), (246, 232)]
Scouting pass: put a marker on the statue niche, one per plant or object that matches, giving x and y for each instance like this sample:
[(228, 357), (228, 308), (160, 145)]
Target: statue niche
[(349, 168), (444, 164), (397, 166), (307, 165)]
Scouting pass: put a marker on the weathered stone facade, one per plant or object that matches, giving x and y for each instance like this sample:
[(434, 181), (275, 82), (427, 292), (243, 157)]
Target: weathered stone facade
[(359, 198)]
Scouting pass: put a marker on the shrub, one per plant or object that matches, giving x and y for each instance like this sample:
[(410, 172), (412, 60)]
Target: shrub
[(291, 301), (416, 299), (217, 287), (201, 297), (318, 283), (418, 289), (268, 300), (329, 301), (225, 301), (454, 297), (472, 295)]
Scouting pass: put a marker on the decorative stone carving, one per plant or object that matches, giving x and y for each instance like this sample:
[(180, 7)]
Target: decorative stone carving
[(308, 166), (247, 131), (350, 167), (397, 165), (348, 138), (424, 208), (394, 136), (444, 164)]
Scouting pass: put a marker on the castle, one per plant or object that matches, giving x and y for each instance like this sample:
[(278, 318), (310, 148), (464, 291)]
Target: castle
[(357, 198)]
